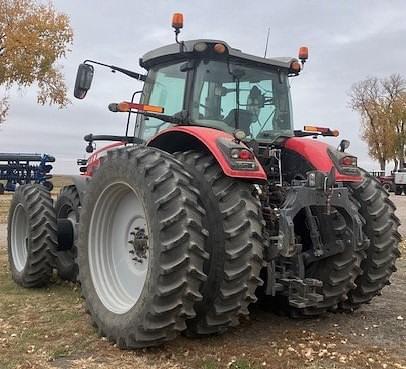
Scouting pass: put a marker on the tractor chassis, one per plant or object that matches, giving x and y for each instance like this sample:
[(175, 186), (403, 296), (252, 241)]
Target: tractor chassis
[(286, 261)]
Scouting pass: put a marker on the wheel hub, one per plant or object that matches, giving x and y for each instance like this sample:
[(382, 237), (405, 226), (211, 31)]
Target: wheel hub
[(139, 243)]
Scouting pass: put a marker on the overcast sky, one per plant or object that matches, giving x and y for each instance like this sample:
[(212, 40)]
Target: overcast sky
[(348, 40)]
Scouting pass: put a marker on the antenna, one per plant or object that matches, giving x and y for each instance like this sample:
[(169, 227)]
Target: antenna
[(267, 40)]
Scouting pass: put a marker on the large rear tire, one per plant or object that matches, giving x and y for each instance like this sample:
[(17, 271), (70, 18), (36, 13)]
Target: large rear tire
[(141, 247), (234, 220), (31, 236), (67, 209), (381, 227)]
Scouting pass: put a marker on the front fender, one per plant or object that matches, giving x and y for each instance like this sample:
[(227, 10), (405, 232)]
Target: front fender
[(183, 138)]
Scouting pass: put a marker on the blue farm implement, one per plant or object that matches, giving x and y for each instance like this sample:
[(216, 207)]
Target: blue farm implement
[(19, 169)]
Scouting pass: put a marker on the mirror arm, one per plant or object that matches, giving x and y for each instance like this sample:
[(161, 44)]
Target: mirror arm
[(127, 139), (140, 77)]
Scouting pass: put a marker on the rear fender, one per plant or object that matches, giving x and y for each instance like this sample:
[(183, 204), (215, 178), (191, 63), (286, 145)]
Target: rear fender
[(184, 138), (316, 153)]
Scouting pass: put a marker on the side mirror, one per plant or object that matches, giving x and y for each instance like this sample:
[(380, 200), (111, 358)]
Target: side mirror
[(84, 79)]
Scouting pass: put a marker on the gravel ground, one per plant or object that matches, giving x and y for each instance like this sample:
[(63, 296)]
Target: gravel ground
[(400, 202), (3, 235)]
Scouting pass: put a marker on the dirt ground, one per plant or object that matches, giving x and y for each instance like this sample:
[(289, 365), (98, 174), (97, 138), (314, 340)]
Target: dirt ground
[(49, 329)]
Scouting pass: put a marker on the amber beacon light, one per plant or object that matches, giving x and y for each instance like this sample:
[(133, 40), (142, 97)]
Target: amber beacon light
[(177, 21), (303, 54)]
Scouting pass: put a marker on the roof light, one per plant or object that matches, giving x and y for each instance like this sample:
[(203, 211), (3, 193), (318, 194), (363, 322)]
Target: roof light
[(200, 47), (177, 20), (323, 130), (314, 129), (219, 48), (303, 54)]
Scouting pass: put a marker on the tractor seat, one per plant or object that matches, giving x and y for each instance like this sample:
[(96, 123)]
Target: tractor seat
[(245, 118)]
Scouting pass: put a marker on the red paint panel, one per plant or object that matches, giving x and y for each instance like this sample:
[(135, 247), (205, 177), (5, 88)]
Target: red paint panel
[(315, 152), (209, 136)]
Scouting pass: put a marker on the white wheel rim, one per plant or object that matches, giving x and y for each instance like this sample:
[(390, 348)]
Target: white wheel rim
[(117, 278), (19, 237)]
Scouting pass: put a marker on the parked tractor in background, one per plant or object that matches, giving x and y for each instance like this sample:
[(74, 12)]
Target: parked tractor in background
[(17, 169), (212, 202), (387, 182)]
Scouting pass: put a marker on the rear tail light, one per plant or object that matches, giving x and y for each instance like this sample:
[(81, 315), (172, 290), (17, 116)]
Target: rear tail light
[(348, 161), (238, 156), (345, 164), (241, 154)]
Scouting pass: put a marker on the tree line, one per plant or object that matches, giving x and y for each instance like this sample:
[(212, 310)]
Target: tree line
[(382, 106)]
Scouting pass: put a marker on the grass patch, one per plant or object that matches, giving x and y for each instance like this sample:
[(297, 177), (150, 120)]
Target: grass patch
[(38, 325), (208, 364), (243, 364)]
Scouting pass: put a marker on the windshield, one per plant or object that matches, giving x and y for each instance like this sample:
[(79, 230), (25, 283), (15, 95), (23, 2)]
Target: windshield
[(231, 96), (226, 96), (165, 87)]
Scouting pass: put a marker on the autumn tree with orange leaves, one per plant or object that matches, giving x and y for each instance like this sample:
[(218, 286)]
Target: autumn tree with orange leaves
[(382, 106), (33, 37)]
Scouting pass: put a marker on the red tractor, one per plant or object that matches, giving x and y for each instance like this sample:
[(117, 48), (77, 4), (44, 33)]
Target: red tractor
[(213, 202)]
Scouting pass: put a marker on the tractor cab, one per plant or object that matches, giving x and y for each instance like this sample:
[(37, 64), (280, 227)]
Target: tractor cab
[(207, 83)]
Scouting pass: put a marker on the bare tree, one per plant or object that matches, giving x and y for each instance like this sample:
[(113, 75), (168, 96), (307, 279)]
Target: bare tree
[(381, 104), (394, 103), (33, 36)]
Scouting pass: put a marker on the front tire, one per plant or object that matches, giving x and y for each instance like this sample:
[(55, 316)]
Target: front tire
[(140, 249), (31, 236)]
